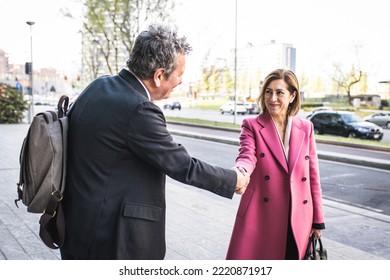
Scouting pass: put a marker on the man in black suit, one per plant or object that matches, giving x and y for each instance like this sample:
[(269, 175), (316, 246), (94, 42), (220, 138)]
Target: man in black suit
[(120, 152)]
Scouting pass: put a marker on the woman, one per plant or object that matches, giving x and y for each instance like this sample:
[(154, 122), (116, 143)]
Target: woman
[(282, 205)]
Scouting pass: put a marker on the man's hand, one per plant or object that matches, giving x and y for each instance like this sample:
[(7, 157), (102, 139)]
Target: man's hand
[(242, 180)]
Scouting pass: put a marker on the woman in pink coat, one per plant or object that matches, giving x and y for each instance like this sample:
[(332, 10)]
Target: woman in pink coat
[(282, 205)]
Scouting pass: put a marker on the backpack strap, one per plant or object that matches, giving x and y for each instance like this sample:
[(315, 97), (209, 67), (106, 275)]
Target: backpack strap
[(62, 106), (22, 172), (53, 221), (64, 128)]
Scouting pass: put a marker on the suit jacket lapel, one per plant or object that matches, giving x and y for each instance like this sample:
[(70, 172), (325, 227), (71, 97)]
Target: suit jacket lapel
[(297, 137), (271, 139)]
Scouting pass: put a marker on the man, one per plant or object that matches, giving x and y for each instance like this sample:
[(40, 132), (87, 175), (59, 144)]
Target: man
[(120, 151)]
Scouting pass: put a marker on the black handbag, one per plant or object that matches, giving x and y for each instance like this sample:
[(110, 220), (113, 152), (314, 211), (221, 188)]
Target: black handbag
[(315, 250)]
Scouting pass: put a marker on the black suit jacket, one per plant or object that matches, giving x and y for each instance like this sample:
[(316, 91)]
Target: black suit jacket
[(119, 153)]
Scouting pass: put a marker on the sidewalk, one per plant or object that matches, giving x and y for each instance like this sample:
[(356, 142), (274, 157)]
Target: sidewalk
[(199, 223)]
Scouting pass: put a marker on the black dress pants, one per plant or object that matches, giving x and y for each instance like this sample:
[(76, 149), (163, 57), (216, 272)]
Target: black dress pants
[(291, 246)]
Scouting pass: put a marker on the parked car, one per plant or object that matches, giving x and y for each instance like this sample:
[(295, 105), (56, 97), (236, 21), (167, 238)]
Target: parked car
[(323, 108), (346, 124), (252, 108), (381, 119), (172, 105), (229, 108)]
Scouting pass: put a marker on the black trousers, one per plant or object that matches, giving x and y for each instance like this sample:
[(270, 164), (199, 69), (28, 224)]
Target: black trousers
[(291, 246)]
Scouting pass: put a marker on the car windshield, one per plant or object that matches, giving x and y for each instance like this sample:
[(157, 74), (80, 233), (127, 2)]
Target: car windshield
[(350, 118)]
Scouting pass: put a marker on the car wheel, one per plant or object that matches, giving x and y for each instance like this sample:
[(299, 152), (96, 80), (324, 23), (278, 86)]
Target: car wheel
[(222, 112), (388, 125), (231, 112), (317, 130), (352, 134)]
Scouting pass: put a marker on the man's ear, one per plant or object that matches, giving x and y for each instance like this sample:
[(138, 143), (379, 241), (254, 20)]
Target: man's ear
[(158, 76)]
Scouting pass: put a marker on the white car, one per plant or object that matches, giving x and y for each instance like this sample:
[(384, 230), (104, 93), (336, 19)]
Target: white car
[(229, 108), (252, 108)]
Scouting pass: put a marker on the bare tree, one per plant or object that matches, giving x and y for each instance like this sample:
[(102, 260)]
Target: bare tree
[(346, 80), (112, 26)]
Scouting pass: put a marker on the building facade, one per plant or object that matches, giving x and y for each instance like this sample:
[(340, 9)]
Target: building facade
[(255, 62)]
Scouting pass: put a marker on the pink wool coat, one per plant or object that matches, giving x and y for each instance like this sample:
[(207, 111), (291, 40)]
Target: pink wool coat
[(260, 229)]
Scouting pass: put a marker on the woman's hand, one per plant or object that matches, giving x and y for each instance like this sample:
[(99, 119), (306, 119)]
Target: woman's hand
[(316, 233)]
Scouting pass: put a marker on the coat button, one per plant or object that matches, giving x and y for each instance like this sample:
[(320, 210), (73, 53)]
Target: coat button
[(306, 157), (305, 201), (262, 155), (266, 199), (266, 177), (304, 179)]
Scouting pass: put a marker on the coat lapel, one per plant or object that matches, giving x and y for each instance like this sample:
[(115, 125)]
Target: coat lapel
[(271, 139), (297, 137)]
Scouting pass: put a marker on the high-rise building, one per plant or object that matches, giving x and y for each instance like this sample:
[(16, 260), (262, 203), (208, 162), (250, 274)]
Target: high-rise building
[(254, 62)]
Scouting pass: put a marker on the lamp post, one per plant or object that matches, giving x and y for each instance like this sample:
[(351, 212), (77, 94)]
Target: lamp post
[(235, 67), (250, 45), (31, 108)]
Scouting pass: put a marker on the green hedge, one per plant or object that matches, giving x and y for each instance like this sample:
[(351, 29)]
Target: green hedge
[(12, 104), (311, 105)]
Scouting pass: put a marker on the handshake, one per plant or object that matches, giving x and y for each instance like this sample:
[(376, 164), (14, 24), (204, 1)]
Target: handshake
[(242, 179)]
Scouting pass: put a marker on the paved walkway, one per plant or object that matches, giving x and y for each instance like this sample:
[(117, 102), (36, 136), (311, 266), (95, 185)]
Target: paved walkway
[(199, 223)]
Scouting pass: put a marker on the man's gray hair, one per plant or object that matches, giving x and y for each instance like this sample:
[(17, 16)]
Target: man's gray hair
[(157, 47)]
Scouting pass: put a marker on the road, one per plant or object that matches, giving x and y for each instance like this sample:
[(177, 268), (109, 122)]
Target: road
[(324, 147), (351, 184), (361, 186), (216, 116), (202, 114)]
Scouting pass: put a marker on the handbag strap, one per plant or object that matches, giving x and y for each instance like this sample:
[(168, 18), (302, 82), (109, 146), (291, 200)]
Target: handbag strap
[(309, 247)]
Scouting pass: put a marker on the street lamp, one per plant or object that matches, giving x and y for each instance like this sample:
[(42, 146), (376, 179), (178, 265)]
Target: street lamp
[(31, 109)]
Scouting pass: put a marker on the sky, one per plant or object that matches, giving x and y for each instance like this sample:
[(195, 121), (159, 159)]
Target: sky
[(55, 38), (323, 32)]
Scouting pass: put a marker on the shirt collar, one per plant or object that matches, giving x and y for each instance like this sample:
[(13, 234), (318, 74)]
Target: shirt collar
[(147, 92)]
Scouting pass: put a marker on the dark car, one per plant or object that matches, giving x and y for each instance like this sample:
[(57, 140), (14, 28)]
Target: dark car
[(381, 119), (173, 105), (323, 108), (346, 124)]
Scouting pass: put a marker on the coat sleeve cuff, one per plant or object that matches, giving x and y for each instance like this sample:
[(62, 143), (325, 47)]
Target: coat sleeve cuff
[(318, 226)]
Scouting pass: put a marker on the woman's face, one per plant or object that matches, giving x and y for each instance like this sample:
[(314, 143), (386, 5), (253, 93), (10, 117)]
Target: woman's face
[(277, 98)]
